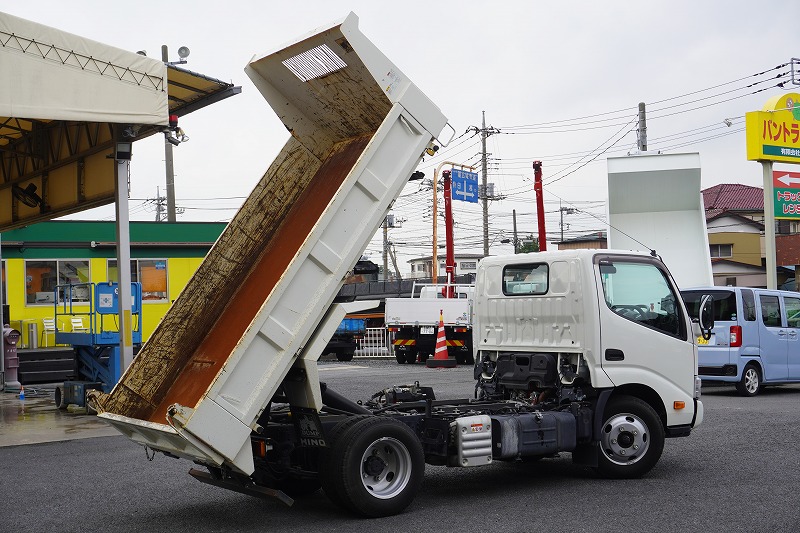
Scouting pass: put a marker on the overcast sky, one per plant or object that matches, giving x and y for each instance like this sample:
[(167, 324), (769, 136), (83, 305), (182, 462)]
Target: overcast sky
[(560, 80)]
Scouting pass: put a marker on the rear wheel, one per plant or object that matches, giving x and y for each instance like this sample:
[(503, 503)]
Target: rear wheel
[(374, 468), (344, 356), (411, 357), (750, 384), (631, 439)]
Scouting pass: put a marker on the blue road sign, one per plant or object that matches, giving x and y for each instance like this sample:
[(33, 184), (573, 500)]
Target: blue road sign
[(465, 186)]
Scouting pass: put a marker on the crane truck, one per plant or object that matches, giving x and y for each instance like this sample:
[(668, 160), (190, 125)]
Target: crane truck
[(589, 352), (413, 322)]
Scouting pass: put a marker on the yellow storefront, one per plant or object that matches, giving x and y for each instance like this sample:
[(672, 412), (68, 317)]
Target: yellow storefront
[(36, 260)]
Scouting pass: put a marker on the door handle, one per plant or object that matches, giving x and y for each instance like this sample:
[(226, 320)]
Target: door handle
[(612, 354)]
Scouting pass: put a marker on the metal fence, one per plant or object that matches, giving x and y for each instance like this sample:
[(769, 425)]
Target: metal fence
[(377, 342)]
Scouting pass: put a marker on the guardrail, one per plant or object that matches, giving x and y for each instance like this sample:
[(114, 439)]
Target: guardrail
[(377, 342)]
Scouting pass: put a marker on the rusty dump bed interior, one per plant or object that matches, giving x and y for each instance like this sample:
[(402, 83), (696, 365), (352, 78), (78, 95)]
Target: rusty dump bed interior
[(202, 328), (189, 347)]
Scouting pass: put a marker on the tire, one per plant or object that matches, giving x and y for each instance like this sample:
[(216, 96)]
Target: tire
[(400, 356), (59, 399), (325, 456), (750, 384), (411, 357), (374, 468), (631, 439), (423, 357), (344, 356)]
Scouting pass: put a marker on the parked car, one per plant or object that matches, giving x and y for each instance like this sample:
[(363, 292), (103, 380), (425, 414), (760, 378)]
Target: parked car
[(755, 337)]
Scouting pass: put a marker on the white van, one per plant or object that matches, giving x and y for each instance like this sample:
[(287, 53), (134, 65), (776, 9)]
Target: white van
[(755, 337)]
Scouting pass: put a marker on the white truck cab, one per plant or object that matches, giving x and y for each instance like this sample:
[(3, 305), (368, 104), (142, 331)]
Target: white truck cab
[(606, 325)]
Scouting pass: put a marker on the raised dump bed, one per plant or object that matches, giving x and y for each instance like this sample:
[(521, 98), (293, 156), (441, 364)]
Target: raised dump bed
[(257, 305)]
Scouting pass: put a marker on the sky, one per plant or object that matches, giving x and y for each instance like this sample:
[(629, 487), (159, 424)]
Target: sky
[(560, 81)]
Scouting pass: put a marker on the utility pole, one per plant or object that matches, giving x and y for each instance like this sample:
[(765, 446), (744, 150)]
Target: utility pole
[(484, 188), (516, 248), (168, 158), (386, 248), (569, 211), (159, 205), (642, 140)]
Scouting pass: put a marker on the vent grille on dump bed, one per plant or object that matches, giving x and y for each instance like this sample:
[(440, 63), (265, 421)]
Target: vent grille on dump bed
[(315, 63)]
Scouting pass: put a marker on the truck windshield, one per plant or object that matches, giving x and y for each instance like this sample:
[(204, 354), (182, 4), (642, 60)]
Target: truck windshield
[(639, 291)]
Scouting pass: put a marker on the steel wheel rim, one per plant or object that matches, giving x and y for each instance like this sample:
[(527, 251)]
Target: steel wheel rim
[(751, 380), (386, 468), (625, 439)]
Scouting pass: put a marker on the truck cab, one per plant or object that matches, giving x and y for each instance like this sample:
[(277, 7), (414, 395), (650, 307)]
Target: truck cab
[(611, 322)]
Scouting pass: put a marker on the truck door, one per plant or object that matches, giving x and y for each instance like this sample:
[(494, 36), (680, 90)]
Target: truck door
[(644, 334), (791, 306), (774, 337)]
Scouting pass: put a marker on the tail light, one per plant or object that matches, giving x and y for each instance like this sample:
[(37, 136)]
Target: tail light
[(460, 330), (393, 330), (736, 336)]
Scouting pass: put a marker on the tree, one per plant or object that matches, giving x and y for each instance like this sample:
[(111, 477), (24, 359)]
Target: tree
[(528, 244)]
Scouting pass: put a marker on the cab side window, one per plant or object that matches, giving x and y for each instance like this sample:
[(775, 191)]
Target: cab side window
[(792, 311), (770, 311), (640, 292)]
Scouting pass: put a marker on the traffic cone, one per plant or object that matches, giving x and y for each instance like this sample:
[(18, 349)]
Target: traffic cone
[(440, 358)]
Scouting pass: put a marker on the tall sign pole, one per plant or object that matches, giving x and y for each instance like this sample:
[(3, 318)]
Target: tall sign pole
[(773, 135)]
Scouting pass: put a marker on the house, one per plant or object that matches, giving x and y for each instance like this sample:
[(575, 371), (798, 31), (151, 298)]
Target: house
[(735, 221), (592, 241), (466, 264)]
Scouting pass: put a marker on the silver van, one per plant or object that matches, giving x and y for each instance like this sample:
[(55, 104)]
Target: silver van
[(755, 337)]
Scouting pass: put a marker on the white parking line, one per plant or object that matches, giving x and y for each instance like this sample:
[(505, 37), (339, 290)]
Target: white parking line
[(342, 367)]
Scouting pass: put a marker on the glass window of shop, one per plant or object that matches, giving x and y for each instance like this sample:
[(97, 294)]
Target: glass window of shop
[(151, 273), (46, 281)]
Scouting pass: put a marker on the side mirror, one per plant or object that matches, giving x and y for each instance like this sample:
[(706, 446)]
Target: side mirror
[(705, 316)]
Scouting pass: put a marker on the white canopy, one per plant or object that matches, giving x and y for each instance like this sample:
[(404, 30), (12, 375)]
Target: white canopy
[(49, 74)]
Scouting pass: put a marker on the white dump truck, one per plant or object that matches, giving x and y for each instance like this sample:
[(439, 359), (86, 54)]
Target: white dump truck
[(594, 357), (413, 322)]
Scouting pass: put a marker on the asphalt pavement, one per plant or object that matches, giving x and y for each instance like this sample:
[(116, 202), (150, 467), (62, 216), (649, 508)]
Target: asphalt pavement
[(737, 472)]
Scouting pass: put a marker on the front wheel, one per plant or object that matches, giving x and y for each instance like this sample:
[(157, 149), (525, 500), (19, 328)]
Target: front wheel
[(750, 384), (374, 467), (631, 439)]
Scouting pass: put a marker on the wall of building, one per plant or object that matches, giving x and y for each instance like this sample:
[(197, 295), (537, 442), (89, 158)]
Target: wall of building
[(178, 248), (746, 247), (787, 249)]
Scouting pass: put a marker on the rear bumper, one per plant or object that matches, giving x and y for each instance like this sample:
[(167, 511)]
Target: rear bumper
[(718, 373)]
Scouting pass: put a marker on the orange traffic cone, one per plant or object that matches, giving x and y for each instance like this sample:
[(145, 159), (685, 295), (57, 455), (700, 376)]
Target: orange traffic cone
[(440, 358)]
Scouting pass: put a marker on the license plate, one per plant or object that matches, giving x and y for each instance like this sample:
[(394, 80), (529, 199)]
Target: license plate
[(427, 330)]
